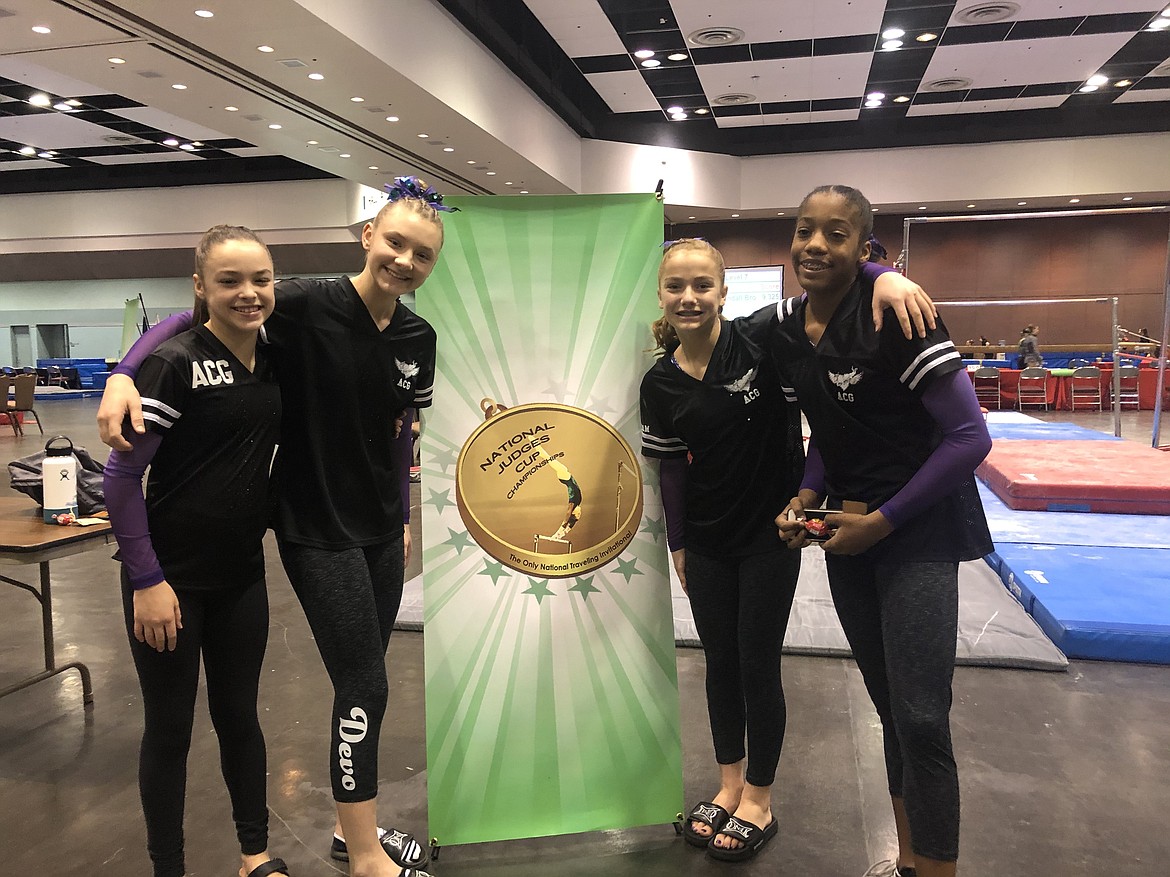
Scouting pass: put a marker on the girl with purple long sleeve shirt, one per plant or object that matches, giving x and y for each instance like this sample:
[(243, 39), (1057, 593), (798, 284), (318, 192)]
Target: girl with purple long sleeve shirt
[(896, 428)]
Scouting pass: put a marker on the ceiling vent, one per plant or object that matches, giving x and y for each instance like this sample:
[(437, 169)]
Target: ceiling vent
[(293, 63), (988, 13), (715, 36), (734, 100), (149, 74), (948, 83)]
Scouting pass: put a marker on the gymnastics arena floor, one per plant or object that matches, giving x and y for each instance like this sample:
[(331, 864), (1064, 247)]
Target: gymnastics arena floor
[(1098, 584)]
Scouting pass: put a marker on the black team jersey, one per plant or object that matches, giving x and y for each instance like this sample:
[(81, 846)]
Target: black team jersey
[(741, 428), (861, 392), (207, 493), (342, 383)]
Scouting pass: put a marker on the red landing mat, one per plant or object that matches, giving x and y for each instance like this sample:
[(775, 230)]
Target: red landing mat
[(1079, 476)]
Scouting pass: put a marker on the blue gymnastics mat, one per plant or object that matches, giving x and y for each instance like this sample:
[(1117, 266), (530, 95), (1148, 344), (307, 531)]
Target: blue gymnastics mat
[(1103, 603)]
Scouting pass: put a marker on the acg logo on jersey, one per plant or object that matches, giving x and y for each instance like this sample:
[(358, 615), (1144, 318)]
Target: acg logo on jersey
[(744, 385), (844, 381), (351, 730), (408, 369), (210, 373)]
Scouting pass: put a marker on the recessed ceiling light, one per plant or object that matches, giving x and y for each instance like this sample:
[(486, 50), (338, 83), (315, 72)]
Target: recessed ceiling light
[(890, 45), (652, 63), (372, 167), (170, 141), (926, 37), (312, 142), (1122, 83), (28, 150), (876, 95), (1085, 89), (1127, 198), (423, 136), (317, 77), (344, 155), (116, 60), (178, 86), (391, 118), (678, 117), (358, 100), (893, 33), (275, 127), (643, 53), (901, 99), (1021, 203), (40, 28), (702, 111), (205, 13), (678, 56), (1074, 200), (1097, 80), (187, 146), (232, 109), (265, 49), (491, 173), (40, 100)]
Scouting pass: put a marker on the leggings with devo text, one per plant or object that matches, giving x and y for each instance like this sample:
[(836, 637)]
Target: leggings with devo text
[(901, 620), (229, 629), (351, 598), (741, 607)]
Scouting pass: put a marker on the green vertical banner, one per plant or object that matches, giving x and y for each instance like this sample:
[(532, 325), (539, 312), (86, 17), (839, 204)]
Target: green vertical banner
[(551, 689)]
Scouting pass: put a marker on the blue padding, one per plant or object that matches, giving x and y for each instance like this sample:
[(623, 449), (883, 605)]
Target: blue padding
[(1104, 603), (1047, 432), (1058, 528)]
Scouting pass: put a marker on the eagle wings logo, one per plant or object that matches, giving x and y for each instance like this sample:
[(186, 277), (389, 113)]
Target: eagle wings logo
[(408, 369), (742, 385), (847, 380)]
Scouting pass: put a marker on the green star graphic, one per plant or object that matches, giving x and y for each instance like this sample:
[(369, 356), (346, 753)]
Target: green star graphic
[(458, 541), (495, 569), (538, 589), (445, 458), (440, 500), (629, 568), (654, 527), (585, 587)]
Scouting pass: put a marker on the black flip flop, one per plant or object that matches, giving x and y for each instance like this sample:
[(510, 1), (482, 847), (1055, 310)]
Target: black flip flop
[(750, 836), (272, 866), (705, 813)]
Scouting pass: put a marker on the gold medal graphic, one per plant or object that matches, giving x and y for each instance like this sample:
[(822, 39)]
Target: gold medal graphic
[(547, 489)]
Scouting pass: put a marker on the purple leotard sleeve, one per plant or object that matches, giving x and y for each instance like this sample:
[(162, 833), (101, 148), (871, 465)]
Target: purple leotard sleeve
[(164, 330), (403, 453), (814, 468), (672, 476), (951, 402), (122, 483)]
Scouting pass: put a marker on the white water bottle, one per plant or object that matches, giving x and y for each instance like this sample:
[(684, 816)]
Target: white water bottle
[(59, 479)]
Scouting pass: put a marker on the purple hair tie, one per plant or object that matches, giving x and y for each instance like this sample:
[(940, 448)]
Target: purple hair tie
[(412, 187)]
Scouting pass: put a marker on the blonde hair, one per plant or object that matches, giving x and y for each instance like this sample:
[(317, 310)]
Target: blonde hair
[(664, 335)]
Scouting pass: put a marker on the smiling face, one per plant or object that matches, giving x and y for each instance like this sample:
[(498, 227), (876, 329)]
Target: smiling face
[(401, 247), (829, 245), (235, 282), (691, 291)]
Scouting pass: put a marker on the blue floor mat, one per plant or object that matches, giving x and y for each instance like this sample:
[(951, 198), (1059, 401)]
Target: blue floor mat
[(1104, 603)]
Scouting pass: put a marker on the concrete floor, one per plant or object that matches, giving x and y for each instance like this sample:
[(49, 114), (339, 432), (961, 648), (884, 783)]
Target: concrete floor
[(1063, 774)]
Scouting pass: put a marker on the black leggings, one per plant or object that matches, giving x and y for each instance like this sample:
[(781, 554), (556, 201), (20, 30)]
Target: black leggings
[(741, 607), (230, 630), (351, 599), (901, 620)]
